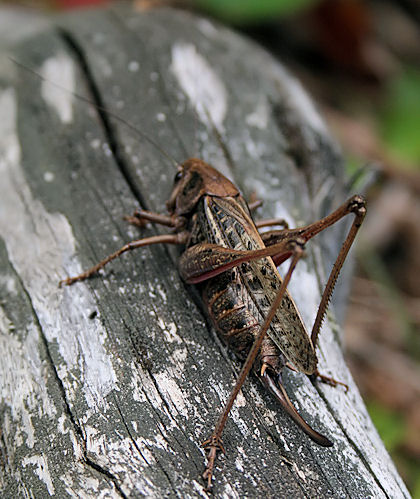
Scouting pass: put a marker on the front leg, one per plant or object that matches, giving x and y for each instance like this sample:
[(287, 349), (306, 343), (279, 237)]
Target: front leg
[(179, 238), (141, 217)]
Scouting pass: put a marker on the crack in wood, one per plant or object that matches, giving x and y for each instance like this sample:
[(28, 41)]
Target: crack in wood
[(103, 113), (164, 471), (107, 474)]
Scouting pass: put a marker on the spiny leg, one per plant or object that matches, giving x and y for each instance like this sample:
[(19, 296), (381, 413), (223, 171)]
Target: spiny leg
[(214, 443), (356, 205), (179, 238)]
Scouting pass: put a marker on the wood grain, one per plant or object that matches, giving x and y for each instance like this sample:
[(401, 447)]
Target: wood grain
[(108, 387)]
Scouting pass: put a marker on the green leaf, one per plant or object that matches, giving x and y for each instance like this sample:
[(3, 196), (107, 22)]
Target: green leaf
[(390, 424), (251, 11), (401, 116), (416, 488)]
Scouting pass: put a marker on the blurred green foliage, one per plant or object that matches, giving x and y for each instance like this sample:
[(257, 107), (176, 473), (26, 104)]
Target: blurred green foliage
[(416, 486), (376, 269), (252, 11), (400, 121), (390, 424), (392, 427)]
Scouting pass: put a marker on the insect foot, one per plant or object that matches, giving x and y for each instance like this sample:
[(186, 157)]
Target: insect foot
[(328, 380), (357, 205), (213, 444)]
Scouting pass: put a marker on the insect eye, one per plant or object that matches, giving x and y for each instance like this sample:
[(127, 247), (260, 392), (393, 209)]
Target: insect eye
[(178, 176)]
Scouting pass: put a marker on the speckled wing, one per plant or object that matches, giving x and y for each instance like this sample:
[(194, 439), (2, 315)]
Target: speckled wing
[(230, 225)]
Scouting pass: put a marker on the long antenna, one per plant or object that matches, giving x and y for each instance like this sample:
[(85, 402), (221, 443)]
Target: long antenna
[(103, 109)]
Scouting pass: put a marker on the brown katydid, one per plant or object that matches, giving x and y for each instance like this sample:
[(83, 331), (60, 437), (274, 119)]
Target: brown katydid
[(235, 267)]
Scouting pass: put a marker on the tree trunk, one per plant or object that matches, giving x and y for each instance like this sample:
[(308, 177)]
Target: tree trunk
[(109, 386)]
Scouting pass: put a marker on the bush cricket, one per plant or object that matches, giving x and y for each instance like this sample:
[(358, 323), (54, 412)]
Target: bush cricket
[(235, 268)]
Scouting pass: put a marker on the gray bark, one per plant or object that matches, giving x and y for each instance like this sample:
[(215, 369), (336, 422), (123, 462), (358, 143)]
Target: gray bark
[(108, 387)]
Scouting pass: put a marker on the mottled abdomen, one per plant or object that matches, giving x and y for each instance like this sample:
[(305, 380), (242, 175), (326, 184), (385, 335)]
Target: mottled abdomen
[(228, 304)]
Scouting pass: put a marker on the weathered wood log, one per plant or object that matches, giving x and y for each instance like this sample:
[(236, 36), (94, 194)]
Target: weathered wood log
[(109, 386)]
